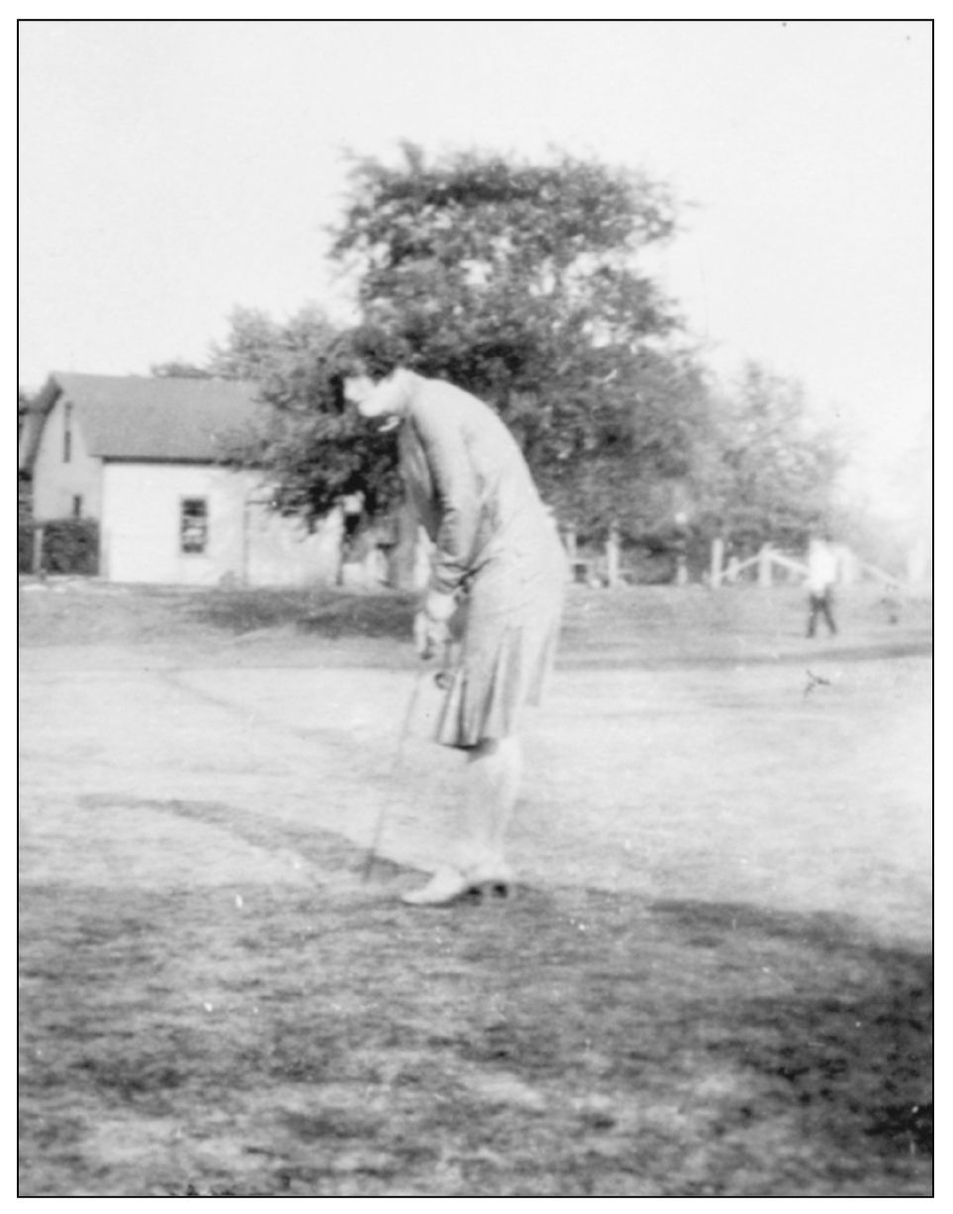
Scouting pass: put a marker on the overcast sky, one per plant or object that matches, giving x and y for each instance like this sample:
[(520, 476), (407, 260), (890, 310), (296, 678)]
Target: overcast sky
[(171, 171)]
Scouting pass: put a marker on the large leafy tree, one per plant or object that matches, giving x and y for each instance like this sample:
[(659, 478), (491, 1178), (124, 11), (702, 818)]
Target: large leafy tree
[(521, 282)]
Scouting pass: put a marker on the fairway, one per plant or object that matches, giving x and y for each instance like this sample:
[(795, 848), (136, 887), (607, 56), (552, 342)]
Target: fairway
[(714, 979)]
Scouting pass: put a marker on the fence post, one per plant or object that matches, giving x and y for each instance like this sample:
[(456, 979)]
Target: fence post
[(612, 556), (764, 567), (717, 561), (37, 563)]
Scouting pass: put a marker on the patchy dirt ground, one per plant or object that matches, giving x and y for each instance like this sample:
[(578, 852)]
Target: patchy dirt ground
[(715, 977)]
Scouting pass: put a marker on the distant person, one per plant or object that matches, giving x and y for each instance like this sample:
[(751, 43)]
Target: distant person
[(497, 550), (821, 579)]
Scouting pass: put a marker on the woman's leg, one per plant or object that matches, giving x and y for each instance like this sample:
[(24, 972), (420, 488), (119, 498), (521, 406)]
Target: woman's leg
[(494, 773)]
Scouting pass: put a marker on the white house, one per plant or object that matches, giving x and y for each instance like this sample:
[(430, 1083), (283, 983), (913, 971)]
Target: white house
[(143, 456)]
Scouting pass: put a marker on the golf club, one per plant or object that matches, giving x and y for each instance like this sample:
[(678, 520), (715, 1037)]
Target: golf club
[(442, 678)]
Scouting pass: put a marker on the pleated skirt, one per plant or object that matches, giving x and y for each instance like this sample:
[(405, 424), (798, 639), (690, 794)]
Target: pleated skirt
[(510, 629)]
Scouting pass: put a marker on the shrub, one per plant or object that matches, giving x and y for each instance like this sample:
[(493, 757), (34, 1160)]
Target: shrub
[(25, 547), (70, 545)]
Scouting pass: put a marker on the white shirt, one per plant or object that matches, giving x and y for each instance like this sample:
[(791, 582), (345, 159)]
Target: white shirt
[(821, 567)]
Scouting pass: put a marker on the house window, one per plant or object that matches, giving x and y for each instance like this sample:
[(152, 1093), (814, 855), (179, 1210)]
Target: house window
[(78, 506), (193, 524), (67, 434)]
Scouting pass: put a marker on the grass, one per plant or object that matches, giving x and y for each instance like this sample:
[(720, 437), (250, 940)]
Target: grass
[(569, 1043), (212, 1002), (326, 613), (70, 611), (661, 621)]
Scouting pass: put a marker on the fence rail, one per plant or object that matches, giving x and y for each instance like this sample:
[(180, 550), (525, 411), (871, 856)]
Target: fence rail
[(609, 568)]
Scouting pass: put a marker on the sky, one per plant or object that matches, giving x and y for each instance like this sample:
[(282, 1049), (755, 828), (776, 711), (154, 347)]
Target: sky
[(171, 171)]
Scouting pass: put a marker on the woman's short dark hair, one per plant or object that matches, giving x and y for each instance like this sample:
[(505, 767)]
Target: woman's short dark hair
[(372, 350)]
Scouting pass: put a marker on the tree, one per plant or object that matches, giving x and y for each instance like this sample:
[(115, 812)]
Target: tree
[(259, 348), (24, 400), (521, 283), (179, 369), (763, 474), (315, 450)]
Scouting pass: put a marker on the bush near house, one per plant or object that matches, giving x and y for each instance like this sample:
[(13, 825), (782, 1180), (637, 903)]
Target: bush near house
[(70, 545), (25, 547)]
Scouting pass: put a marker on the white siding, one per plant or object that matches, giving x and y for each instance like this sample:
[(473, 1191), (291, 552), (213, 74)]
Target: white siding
[(55, 481), (247, 543)]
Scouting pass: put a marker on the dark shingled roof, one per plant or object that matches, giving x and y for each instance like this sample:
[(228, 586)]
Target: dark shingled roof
[(140, 417)]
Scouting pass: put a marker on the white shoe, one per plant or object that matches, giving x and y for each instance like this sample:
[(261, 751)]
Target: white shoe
[(445, 886)]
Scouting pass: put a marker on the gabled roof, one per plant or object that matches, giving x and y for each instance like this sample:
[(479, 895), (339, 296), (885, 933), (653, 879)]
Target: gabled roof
[(148, 418)]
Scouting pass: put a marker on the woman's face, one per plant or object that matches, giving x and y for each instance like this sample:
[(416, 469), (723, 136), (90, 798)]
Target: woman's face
[(358, 389), (377, 400)]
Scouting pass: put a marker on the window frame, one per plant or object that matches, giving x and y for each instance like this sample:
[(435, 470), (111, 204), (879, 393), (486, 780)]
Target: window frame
[(192, 500)]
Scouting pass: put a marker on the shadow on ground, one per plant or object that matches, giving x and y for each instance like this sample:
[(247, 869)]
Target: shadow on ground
[(330, 1041)]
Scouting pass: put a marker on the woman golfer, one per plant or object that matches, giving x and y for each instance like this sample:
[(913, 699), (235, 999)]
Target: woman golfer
[(495, 546)]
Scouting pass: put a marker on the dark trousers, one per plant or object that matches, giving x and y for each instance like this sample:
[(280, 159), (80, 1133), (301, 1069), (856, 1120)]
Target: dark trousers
[(821, 604)]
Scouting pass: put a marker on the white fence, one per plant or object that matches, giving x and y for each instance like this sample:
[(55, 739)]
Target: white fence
[(768, 567)]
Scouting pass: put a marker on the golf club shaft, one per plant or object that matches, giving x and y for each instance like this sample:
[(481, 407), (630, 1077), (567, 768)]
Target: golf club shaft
[(398, 758)]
